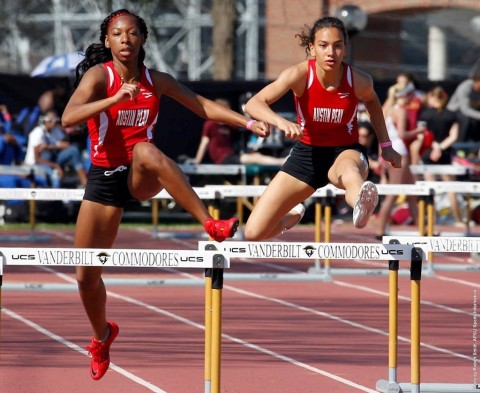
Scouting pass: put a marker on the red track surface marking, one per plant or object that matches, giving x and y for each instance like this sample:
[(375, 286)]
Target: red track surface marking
[(278, 336)]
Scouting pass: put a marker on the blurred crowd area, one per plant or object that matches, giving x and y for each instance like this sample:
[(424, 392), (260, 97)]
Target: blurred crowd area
[(439, 126)]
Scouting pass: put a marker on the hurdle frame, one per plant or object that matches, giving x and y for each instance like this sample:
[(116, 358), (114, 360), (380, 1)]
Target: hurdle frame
[(314, 250), (212, 260), (391, 385)]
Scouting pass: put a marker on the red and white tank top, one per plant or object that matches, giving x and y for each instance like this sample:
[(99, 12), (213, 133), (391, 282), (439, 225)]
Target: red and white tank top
[(114, 132), (328, 117)]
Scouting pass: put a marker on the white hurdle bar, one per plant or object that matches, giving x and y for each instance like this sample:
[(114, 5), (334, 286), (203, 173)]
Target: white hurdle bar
[(443, 244), (113, 257), (456, 187), (428, 244), (312, 250), (67, 194), (454, 170)]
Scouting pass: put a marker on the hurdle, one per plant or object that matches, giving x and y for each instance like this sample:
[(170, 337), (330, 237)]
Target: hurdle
[(289, 250), (456, 187), (323, 201), (32, 195), (451, 169), (130, 258), (428, 244), (67, 194)]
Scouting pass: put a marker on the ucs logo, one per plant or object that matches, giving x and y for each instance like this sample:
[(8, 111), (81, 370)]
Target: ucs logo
[(237, 250), (191, 259), (24, 257), (393, 252)]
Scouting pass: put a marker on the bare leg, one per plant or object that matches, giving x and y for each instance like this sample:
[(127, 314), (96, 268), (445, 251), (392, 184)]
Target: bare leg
[(270, 214), (152, 171), (97, 227), (261, 159), (349, 173)]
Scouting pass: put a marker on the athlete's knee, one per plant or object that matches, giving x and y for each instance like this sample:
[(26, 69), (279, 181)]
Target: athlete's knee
[(88, 281), (144, 151), (253, 233), (150, 157)]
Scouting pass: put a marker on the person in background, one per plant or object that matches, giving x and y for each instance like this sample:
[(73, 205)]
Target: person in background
[(217, 140), (326, 92), (445, 128), (402, 80), (368, 139), (11, 149), (48, 151), (396, 120), (465, 102), (119, 98)]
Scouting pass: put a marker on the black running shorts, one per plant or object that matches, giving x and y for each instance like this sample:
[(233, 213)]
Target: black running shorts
[(108, 186), (311, 164)]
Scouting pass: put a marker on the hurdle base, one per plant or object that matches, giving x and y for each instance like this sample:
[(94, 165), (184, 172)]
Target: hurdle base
[(322, 272), (31, 238), (179, 235), (452, 267), (276, 277), (384, 386), (442, 388)]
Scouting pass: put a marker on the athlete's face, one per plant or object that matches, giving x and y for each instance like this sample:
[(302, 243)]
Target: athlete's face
[(328, 47), (124, 38)]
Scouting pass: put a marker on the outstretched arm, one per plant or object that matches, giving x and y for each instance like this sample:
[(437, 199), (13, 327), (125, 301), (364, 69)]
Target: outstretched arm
[(202, 149), (259, 105), (203, 107), (365, 92)]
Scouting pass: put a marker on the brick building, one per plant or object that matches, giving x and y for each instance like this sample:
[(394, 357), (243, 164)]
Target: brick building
[(434, 39)]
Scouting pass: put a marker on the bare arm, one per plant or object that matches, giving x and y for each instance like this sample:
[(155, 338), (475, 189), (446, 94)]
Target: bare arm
[(202, 149), (89, 100), (364, 91), (258, 106), (202, 106)]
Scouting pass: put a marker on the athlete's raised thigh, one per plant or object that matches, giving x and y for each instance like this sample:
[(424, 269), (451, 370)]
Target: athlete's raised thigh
[(143, 178), (347, 162)]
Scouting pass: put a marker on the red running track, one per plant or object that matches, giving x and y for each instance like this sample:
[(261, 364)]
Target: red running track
[(278, 336)]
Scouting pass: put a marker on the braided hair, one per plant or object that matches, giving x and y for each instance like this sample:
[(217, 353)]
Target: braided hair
[(97, 53)]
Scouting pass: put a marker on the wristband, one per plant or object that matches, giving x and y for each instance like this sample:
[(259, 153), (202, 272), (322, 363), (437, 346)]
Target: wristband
[(386, 144), (249, 124)]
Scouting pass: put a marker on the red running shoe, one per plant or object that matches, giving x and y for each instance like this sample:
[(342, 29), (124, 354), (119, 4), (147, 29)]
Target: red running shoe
[(219, 230), (100, 353)]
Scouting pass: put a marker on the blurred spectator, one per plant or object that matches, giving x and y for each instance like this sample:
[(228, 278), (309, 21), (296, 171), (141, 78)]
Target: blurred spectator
[(368, 138), (444, 126), (396, 119), (403, 79), (465, 102), (411, 129), (217, 140), (28, 118), (50, 152), (11, 150)]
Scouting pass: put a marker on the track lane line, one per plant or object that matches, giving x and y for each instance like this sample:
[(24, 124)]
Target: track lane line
[(76, 348)]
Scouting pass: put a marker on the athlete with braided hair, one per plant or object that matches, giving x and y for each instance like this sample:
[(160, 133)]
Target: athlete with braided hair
[(118, 97)]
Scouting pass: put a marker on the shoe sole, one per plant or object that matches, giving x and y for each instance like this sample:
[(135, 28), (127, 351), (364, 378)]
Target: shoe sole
[(234, 228), (367, 202)]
